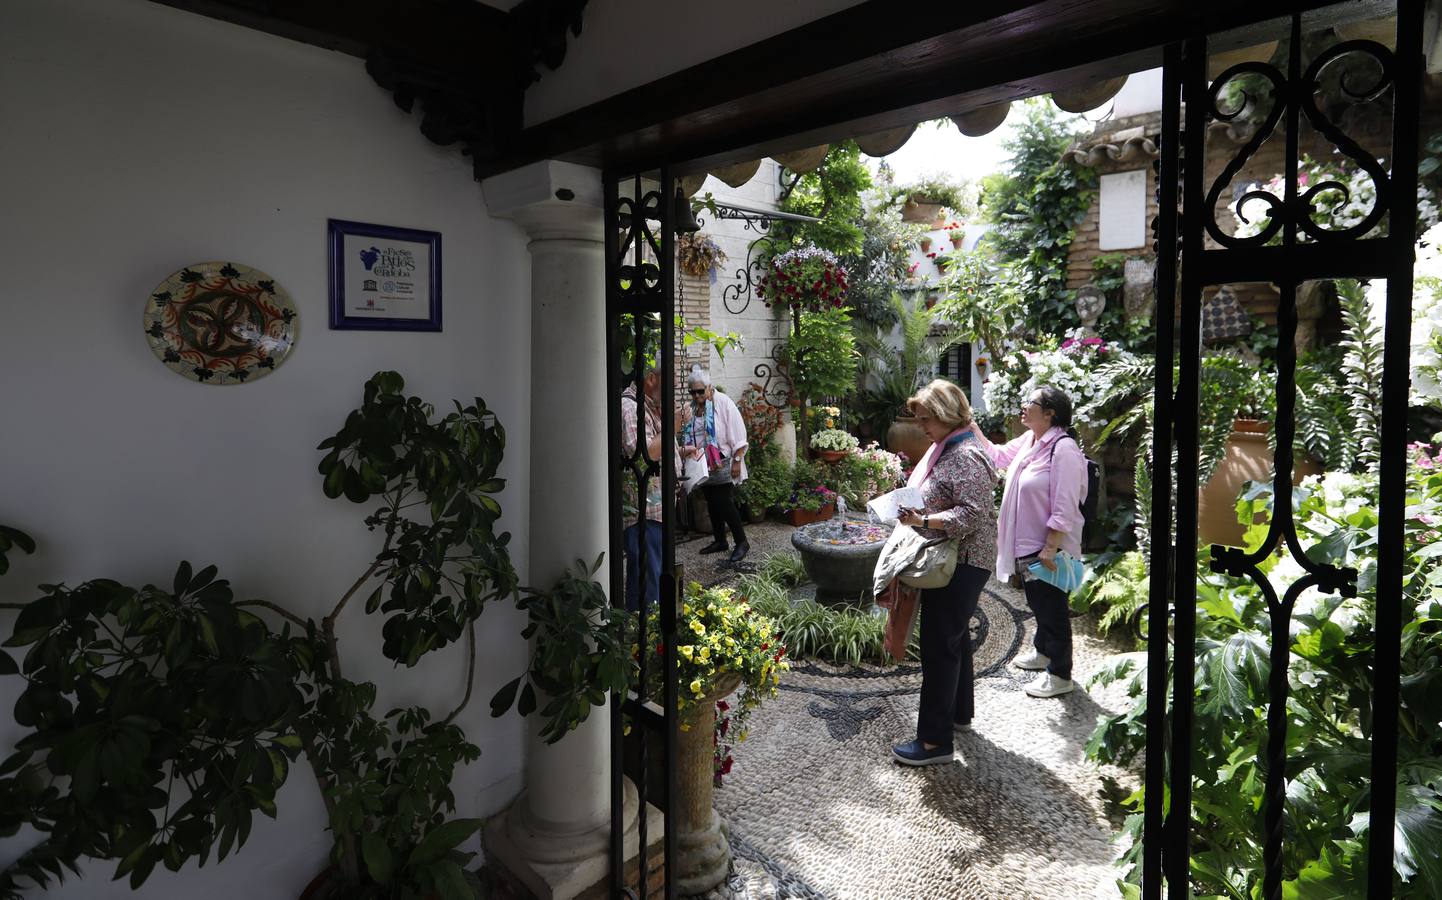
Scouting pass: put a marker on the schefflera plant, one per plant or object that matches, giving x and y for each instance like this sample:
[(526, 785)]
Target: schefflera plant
[(174, 715)]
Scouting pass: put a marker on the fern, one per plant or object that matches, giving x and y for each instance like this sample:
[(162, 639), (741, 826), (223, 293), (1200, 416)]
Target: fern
[(1362, 373), (1123, 590), (1325, 427)]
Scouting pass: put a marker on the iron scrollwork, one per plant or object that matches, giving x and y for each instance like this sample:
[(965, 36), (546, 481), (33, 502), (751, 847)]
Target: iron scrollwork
[(1296, 208)]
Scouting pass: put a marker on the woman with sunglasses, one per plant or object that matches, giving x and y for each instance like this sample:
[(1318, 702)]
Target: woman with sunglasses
[(716, 433), (1046, 481)]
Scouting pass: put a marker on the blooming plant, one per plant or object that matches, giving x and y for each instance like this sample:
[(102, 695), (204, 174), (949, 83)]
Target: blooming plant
[(762, 420), (822, 416), (1343, 200), (720, 636), (808, 278), (1071, 368), (834, 439), (1426, 335)]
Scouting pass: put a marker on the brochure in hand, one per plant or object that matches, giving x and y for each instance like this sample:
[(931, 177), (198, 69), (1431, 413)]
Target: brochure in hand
[(1068, 575), (887, 508)]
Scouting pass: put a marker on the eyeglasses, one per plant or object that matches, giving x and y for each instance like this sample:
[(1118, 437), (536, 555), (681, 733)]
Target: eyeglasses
[(697, 392), (1026, 403)]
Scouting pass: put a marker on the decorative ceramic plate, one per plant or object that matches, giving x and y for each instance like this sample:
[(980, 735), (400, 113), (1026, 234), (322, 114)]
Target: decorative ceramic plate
[(221, 323)]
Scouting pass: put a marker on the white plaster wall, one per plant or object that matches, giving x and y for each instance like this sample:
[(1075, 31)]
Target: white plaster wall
[(138, 139), (761, 329), (627, 43)]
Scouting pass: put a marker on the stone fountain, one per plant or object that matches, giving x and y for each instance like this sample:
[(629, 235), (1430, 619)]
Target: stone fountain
[(839, 555)]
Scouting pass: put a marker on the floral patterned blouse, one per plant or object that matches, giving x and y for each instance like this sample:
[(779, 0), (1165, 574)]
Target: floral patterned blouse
[(960, 500)]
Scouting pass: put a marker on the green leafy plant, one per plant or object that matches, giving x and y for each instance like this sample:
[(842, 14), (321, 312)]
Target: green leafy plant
[(1119, 593), (821, 357), (952, 194), (977, 304), (577, 658), (1034, 209), (845, 636), (768, 482), (1362, 372), (1332, 643), (132, 694)]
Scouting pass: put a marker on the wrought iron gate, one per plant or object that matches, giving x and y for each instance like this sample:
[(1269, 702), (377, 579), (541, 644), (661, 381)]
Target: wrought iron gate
[(1196, 253), (640, 325)]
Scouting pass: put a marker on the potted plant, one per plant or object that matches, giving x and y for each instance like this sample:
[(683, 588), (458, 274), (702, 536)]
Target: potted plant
[(923, 201), (768, 482), (810, 499), (833, 444), (957, 233), (722, 645), (925, 243), (698, 254), (132, 693)]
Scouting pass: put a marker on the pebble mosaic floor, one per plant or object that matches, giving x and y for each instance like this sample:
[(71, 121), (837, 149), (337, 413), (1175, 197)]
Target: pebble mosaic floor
[(818, 809)]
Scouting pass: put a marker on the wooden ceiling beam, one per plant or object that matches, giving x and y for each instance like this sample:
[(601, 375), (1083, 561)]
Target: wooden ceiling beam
[(866, 69)]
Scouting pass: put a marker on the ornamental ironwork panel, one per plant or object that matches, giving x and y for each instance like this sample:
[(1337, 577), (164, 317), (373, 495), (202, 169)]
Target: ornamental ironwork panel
[(640, 324), (1196, 251)]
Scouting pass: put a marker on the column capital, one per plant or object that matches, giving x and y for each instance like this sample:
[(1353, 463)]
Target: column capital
[(550, 199)]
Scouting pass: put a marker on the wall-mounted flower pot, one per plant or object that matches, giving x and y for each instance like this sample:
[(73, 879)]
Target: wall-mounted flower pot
[(957, 240), (925, 244), (920, 210)]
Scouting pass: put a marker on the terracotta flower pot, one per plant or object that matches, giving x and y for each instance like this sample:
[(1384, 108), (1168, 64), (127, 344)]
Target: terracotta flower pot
[(799, 517), (905, 436), (1248, 458), (957, 240), (833, 456), (925, 244), (920, 210), (703, 851)]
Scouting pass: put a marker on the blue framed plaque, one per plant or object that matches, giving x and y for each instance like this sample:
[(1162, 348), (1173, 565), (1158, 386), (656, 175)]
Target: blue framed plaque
[(384, 278)]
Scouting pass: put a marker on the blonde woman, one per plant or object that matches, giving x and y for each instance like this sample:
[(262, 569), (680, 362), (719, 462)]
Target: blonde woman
[(957, 480)]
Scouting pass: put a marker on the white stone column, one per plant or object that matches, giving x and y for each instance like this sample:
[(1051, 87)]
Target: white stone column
[(556, 836)]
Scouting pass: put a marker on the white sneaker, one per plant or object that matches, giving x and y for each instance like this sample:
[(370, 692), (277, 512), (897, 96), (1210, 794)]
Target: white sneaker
[(1032, 662), (1048, 685)]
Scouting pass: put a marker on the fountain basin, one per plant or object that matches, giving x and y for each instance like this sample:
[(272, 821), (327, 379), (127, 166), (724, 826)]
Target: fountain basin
[(840, 560)]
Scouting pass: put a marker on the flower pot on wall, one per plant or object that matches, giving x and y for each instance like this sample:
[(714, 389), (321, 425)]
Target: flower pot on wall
[(920, 210), (905, 436), (925, 244), (1248, 458)]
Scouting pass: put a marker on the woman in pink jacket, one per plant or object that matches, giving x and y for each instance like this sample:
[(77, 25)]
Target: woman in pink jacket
[(1046, 481)]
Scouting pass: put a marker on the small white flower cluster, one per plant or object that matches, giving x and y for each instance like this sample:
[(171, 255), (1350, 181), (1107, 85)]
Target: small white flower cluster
[(1426, 334), (834, 439), (1329, 210), (1070, 369)]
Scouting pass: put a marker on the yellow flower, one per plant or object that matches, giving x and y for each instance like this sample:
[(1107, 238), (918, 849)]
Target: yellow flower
[(686, 652), (698, 627), (685, 726), (705, 654), (696, 686)]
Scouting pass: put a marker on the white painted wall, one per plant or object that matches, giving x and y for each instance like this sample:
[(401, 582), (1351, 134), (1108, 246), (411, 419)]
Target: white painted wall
[(138, 139), (627, 43), (760, 327)]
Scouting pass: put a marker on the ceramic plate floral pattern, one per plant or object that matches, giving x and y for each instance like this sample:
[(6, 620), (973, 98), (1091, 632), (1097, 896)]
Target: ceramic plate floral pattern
[(221, 323)]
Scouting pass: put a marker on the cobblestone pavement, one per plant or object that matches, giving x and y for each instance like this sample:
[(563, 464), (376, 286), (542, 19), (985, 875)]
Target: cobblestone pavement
[(817, 808)]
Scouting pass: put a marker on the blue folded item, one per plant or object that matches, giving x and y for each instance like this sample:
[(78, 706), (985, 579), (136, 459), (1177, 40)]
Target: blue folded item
[(1068, 575)]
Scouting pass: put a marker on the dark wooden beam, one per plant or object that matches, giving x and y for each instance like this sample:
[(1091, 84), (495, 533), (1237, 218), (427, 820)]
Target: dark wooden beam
[(866, 68), (451, 30)]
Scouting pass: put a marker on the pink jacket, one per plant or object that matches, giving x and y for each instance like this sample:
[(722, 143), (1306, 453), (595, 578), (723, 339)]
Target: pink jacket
[(1044, 490)]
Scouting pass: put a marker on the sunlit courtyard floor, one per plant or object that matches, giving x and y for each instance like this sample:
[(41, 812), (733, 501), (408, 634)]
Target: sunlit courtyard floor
[(817, 808)]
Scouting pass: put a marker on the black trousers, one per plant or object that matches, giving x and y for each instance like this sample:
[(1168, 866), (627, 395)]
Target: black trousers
[(721, 502), (1053, 625), (947, 690)]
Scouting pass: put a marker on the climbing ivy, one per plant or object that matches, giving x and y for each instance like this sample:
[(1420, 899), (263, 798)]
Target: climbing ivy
[(832, 193), (1034, 209)]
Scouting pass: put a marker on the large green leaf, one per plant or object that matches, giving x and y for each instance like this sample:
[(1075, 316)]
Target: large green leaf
[(1235, 673), (1418, 835), (440, 840), (380, 863)]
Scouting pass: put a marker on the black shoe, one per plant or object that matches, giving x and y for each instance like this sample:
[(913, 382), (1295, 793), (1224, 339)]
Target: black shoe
[(740, 552), (714, 547)]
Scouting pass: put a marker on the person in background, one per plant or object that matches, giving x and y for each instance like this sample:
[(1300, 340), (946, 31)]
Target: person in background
[(650, 530), (957, 482), (1046, 481), (714, 429)]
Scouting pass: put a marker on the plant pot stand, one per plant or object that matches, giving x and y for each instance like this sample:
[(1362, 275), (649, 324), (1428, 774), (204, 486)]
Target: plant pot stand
[(703, 850)]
